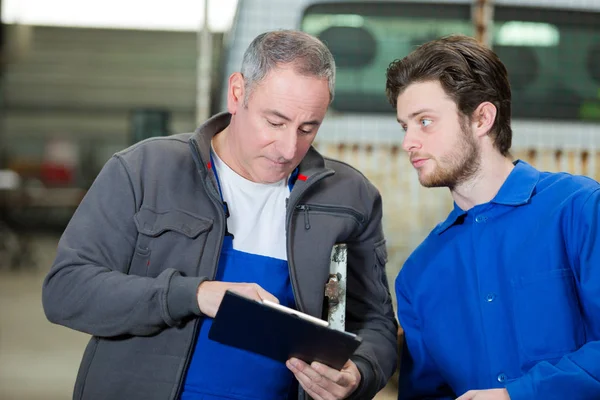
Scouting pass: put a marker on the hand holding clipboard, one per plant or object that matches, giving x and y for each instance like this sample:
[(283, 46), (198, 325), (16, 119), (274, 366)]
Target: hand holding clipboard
[(279, 332)]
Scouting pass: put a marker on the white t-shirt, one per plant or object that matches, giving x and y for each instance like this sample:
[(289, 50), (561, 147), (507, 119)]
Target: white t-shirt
[(257, 220)]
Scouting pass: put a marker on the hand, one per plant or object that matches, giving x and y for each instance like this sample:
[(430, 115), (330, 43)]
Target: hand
[(324, 383), (491, 394), (210, 294)]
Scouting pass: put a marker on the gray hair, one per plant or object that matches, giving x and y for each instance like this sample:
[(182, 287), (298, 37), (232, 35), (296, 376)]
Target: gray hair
[(305, 53)]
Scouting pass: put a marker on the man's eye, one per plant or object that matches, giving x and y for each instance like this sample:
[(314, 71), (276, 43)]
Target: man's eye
[(403, 127), (273, 124), (426, 121)]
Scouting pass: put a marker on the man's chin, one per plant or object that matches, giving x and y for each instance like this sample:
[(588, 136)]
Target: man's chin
[(273, 178), (429, 184), (432, 181)]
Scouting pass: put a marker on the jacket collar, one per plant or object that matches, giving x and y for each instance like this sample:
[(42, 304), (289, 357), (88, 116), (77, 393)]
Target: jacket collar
[(203, 135), (454, 215), (312, 164), (519, 187), (517, 190)]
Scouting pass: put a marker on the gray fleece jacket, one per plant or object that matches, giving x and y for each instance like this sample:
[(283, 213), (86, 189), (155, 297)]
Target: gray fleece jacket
[(150, 230)]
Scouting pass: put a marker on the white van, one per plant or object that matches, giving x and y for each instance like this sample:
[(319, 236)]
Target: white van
[(550, 47)]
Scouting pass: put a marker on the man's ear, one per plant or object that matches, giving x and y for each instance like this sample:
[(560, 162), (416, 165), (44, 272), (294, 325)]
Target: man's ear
[(235, 93), (483, 118)]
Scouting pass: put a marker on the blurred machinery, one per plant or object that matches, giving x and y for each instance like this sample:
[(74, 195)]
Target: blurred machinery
[(148, 122)]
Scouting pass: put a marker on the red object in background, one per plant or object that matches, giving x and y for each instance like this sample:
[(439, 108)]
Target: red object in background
[(53, 174)]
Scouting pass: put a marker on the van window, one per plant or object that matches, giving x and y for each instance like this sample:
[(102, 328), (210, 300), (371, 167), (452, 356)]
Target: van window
[(553, 56)]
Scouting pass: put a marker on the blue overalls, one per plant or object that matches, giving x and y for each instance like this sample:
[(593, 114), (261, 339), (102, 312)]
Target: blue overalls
[(218, 372)]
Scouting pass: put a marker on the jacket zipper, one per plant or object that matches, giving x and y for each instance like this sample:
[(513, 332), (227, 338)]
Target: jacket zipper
[(344, 211), (304, 208), (290, 251), (217, 202)]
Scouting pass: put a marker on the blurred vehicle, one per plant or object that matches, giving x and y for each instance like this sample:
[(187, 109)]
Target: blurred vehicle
[(550, 47)]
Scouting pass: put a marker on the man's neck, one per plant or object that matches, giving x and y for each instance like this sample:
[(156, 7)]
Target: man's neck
[(222, 145), (485, 184)]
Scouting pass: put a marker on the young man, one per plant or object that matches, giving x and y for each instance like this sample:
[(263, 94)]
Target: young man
[(501, 301), (171, 223)]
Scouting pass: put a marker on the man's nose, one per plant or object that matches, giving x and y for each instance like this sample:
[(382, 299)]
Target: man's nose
[(410, 141), (287, 145)]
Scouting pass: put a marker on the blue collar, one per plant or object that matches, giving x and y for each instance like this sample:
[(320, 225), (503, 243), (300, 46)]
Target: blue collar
[(516, 190)]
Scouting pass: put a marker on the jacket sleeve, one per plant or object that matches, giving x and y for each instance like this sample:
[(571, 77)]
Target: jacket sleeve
[(576, 376), (419, 377), (369, 311), (88, 288)]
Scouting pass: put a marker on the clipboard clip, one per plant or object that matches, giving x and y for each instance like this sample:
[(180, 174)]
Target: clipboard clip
[(333, 290)]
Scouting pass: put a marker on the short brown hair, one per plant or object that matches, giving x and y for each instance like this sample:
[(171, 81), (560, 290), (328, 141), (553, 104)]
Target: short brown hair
[(470, 74)]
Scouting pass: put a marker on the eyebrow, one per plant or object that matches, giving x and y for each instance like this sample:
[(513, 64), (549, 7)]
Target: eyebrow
[(288, 119), (412, 115)]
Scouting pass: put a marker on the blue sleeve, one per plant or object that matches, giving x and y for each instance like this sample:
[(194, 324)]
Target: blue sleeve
[(419, 377), (576, 376)]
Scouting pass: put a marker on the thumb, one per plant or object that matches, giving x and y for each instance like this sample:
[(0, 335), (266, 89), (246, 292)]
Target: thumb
[(264, 295)]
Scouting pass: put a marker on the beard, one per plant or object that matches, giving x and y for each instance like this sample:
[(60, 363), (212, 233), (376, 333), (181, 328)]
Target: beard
[(458, 166)]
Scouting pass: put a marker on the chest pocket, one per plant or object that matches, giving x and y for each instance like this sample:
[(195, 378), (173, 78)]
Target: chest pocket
[(171, 239), (547, 315)]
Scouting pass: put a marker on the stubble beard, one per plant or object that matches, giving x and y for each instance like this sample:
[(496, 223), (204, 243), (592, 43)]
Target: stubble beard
[(458, 166)]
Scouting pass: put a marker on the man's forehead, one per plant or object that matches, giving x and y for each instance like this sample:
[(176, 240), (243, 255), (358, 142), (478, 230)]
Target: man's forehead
[(418, 89), (422, 97), (303, 117)]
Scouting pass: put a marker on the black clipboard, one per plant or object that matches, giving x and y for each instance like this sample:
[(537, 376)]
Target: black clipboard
[(268, 330)]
